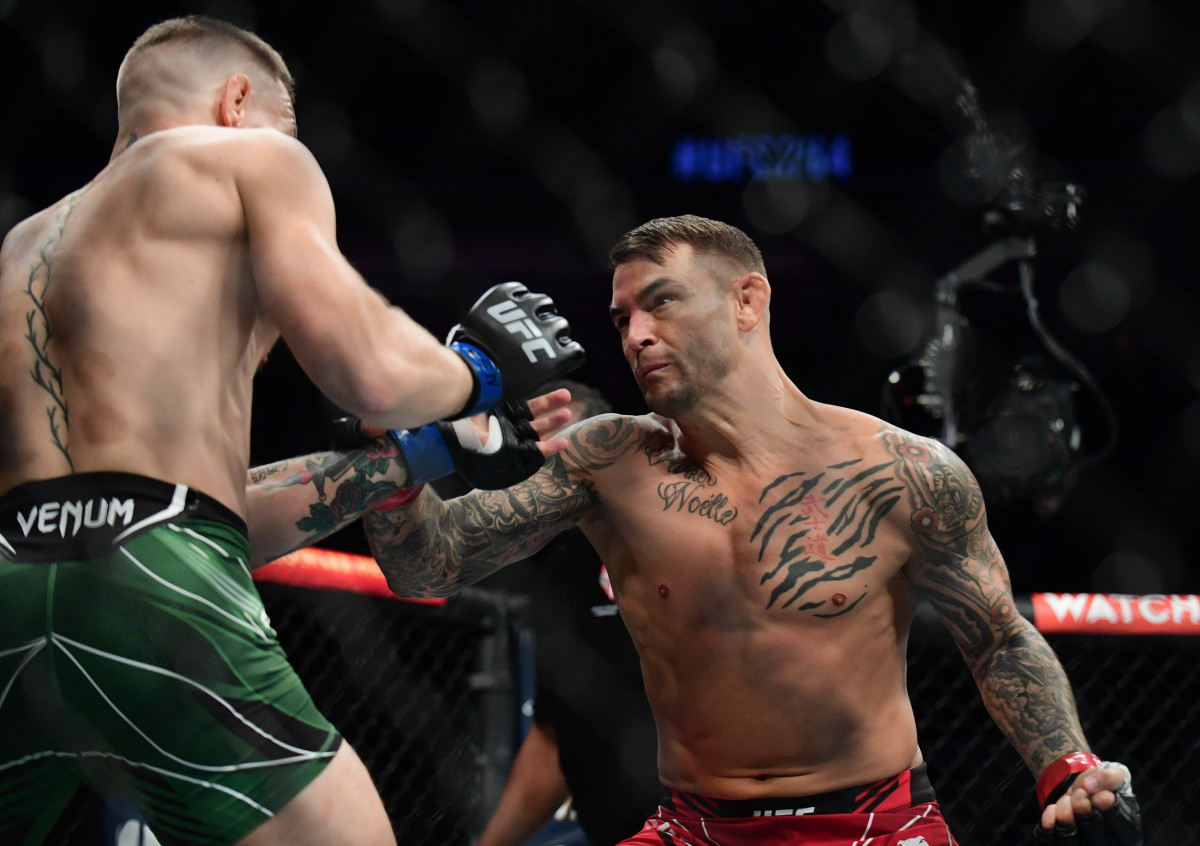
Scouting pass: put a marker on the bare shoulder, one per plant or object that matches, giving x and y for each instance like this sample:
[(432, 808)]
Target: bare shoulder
[(941, 498), (23, 243), (15, 240), (19, 239), (277, 177), (954, 562), (946, 515), (601, 442), (246, 155), (219, 139), (280, 148), (889, 439), (261, 155)]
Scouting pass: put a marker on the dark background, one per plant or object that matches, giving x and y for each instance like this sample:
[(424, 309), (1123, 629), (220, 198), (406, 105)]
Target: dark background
[(469, 143)]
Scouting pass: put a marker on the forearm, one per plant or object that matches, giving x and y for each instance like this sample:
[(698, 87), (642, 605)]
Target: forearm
[(1028, 694), (298, 501), (535, 789), (432, 548), (399, 376)]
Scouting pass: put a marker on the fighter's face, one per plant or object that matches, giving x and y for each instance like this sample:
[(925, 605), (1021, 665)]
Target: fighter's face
[(677, 326)]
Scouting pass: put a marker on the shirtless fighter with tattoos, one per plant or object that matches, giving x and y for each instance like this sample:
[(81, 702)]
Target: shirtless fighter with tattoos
[(767, 552), (135, 654)]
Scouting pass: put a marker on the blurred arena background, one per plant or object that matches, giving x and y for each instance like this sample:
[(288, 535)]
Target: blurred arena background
[(470, 142), (875, 150)]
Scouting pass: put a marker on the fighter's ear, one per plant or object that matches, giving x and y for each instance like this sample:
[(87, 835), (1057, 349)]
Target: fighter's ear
[(753, 293), (232, 109)]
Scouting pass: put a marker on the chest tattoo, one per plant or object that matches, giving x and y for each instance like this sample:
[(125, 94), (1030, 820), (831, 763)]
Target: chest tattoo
[(817, 528), (693, 492)]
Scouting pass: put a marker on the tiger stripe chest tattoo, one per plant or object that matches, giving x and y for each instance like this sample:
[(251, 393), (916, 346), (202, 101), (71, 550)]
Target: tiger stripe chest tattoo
[(825, 537)]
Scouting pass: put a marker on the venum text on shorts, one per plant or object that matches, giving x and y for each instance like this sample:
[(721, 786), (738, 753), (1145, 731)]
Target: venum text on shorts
[(68, 518)]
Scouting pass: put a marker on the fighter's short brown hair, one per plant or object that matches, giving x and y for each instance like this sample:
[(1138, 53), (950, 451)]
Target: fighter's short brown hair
[(202, 29), (654, 238)]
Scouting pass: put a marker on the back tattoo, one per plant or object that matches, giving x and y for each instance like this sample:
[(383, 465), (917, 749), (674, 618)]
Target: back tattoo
[(38, 332)]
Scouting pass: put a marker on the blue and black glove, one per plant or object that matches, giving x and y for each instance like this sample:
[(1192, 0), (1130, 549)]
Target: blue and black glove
[(515, 342), (509, 455)]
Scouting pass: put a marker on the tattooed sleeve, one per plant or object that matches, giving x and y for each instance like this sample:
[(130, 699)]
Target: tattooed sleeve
[(433, 548), (960, 571), (299, 501)]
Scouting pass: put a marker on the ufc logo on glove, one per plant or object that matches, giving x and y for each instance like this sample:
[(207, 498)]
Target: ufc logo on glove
[(515, 320), (517, 337)]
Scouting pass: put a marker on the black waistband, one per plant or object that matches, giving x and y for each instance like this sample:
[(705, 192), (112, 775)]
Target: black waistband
[(909, 788), (85, 515)]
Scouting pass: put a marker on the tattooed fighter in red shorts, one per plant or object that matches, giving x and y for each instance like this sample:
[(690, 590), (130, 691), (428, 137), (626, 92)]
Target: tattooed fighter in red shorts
[(767, 552)]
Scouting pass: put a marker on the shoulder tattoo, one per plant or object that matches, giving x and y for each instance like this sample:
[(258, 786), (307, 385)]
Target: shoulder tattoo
[(946, 508)]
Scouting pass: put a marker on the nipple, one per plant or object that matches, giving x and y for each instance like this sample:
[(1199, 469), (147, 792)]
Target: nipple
[(839, 600), (664, 591)]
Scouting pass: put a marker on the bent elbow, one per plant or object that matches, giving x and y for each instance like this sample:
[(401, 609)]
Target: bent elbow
[(406, 587)]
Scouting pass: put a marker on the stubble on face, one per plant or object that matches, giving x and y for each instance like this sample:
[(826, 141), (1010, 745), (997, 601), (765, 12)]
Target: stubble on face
[(704, 363), (704, 342)]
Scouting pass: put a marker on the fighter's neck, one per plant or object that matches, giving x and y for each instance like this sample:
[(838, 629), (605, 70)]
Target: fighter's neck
[(129, 133), (745, 424)]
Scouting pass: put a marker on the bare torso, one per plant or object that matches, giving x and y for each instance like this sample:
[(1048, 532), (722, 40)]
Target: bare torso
[(768, 600), (131, 330)]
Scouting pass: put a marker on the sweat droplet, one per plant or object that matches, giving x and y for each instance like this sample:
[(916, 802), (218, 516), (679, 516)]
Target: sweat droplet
[(839, 600), (664, 591)]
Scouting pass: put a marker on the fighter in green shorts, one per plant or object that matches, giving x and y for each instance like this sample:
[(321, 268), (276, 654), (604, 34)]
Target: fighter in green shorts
[(136, 655)]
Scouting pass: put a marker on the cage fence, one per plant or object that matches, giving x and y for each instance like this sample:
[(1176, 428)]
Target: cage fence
[(429, 697)]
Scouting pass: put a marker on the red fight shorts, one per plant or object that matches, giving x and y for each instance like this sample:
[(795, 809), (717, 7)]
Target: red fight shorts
[(898, 811)]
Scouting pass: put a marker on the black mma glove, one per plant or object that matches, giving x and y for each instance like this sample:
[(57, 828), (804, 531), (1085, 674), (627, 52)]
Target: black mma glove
[(514, 342), (346, 433), (1120, 825), (510, 454)]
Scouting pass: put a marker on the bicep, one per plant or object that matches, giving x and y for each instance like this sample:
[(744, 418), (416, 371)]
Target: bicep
[(327, 314), (956, 565), (291, 230)]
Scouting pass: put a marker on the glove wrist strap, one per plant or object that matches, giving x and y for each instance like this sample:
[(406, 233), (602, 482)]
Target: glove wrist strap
[(488, 387), (1054, 779), (425, 452)]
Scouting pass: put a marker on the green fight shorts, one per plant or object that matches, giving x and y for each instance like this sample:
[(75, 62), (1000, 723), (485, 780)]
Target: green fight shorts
[(136, 656)]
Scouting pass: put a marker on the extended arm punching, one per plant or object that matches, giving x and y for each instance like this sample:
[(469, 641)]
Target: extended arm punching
[(299, 501), (433, 548), (369, 357)]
